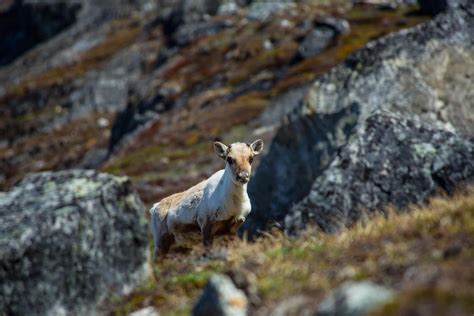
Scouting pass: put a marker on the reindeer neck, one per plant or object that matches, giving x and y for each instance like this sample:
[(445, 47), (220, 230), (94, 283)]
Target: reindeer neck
[(231, 190)]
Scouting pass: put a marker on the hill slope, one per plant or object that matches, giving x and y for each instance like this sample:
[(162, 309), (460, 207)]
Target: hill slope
[(425, 255)]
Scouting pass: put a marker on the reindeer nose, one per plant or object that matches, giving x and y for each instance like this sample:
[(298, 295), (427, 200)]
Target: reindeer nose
[(243, 176)]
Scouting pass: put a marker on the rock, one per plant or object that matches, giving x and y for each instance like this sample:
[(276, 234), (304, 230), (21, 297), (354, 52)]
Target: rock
[(174, 14), (395, 73), (316, 42), (261, 10), (68, 238), (94, 158), (294, 305), (27, 23), (392, 161), (228, 8), (147, 311), (354, 299), (195, 10), (220, 297), (137, 112), (281, 105), (247, 282), (186, 33), (339, 25), (325, 31)]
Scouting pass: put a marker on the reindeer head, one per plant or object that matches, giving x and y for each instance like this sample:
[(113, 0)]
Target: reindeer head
[(239, 157)]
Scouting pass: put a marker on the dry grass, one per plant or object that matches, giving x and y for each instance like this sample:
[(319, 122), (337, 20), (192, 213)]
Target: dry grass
[(425, 254)]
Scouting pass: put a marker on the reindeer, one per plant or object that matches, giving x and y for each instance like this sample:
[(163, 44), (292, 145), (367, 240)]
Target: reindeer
[(215, 206)]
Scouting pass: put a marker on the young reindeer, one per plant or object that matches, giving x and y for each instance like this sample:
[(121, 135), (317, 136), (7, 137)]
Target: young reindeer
[(215, 206)]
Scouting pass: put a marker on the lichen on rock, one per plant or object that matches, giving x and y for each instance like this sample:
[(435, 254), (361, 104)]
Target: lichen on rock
[(376, 169), (69, 238)]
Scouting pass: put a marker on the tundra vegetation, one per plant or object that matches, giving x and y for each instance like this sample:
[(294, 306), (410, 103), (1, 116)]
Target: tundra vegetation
[(424, 254)]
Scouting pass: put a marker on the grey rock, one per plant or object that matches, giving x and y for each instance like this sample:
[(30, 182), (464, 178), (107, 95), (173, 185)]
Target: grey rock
[(324, 31), (392, 161), (247, 282), (261, 10), (63, 25), (424, 73), (147, 311), (341, 26), (68, 239), (174, 14), (93, 158), (294, 305), (281, 105), (354, 299), (186, 33), (220, 297), (228, 8), (195, 10), (26, 23), (316, 41)]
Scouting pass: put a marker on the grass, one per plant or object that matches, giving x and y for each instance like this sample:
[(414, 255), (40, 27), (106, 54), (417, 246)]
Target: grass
[(425, 255)]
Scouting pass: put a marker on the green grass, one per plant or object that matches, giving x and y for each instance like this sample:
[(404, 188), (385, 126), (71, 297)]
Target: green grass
[(436, 241)]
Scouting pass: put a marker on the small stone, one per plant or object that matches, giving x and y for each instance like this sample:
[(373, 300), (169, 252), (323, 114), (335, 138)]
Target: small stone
[(220, 297), (261, 10), (316, 41), (147, 311), (103, 122), (354, 299)]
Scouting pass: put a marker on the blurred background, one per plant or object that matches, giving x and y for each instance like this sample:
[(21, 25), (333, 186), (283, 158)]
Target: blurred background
[(141, 88)]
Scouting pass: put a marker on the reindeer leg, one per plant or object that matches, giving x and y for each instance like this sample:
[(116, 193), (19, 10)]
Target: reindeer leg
[(164, 245), (207, 235), (236, 225)]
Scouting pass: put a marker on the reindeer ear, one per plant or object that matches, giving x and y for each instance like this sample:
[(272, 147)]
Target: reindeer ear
[(257, 146), (220, 149)]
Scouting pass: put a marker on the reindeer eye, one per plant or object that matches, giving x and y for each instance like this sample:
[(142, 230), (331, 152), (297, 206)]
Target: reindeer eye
[(230, 160), (251, 159)]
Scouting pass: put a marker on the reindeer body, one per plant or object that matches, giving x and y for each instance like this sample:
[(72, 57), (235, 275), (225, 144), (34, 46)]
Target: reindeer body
[(215, 206)]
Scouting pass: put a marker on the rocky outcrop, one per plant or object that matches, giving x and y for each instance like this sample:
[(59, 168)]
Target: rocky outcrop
[(392, 161), (220, 297), (424, 73), (354, 299), (25, 24), (68, 238)]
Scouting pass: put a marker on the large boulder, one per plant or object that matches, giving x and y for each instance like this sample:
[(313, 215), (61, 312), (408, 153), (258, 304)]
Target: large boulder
[(392, 161), (424, 73), (68, 239)]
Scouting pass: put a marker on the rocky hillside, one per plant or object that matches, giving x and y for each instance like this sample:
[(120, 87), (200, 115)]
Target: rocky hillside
[(367, 109), (424, 73), (142, 88)]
